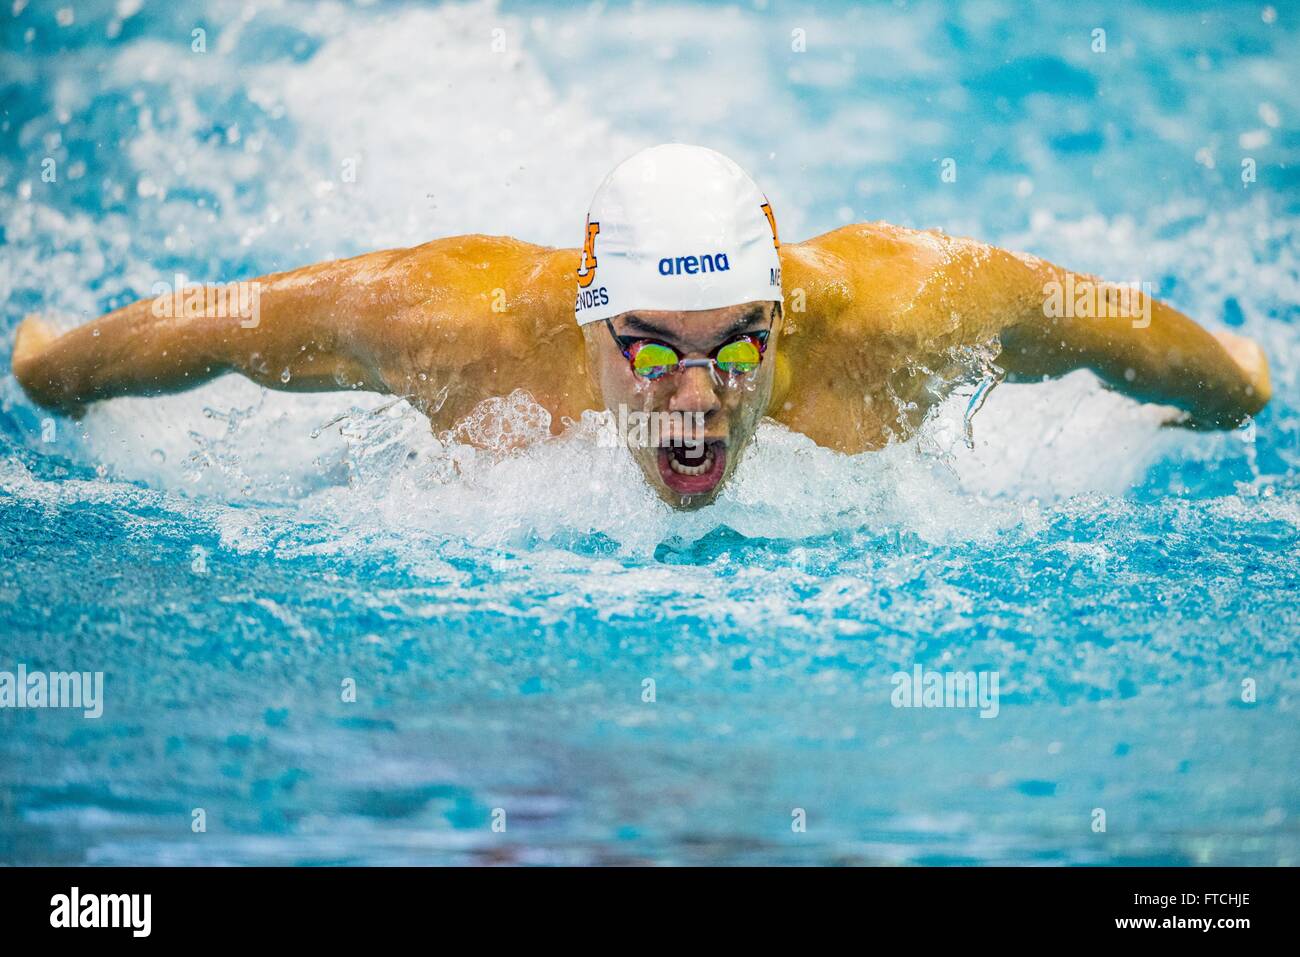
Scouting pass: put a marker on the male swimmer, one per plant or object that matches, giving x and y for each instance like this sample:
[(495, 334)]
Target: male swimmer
[(686, 303)]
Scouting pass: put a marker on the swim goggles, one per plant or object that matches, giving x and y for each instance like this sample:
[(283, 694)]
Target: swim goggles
[(651, 359)]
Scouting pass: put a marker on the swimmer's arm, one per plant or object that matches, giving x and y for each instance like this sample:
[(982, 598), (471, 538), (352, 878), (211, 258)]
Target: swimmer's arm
[(1149, 351), (483, 314), (312, 329)]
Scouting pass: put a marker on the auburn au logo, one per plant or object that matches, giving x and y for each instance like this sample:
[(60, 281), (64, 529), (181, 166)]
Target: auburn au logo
[(587, 268), (771, 221)]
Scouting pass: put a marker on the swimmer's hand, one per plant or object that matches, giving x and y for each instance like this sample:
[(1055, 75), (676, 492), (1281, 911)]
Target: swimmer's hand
[(1247, 355), (32, 370), (1250, 357), (33, 335)]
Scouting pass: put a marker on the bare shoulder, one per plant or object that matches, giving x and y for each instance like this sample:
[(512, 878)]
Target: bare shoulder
[(488, 314), (862, 278), (496, 285), (910, 284), (874, 313)]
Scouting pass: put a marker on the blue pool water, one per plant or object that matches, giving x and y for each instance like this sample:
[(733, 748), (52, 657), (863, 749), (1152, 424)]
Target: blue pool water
[(500, 614)]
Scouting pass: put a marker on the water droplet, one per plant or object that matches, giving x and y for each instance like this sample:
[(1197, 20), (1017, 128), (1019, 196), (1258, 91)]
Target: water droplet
[(285, 376), (95, 333), (158, 455)]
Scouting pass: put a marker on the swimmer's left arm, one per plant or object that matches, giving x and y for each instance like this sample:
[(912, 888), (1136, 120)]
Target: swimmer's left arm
[(1053, 322)]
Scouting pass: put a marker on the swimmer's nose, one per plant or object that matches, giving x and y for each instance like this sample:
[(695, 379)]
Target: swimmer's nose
[(695, 392)]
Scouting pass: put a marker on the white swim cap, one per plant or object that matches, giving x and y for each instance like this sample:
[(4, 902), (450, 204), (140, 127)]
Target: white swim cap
[(677, 227)]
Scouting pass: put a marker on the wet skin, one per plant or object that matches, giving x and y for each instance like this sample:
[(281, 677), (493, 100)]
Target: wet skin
[(877, 325)]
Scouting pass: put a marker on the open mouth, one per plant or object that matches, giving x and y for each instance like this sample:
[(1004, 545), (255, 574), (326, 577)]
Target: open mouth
[(693, 469)]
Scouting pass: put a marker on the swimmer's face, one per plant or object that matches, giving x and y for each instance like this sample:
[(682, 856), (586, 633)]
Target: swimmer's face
[(687, 427)]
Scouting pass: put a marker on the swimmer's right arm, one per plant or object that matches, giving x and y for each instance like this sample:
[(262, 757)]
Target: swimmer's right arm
[(305, 330), (390, 322)]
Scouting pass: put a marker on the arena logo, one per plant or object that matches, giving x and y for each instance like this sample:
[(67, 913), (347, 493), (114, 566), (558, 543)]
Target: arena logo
[(710, 262), (946, 689), (55, 689), (1096, 299), (212, 300)]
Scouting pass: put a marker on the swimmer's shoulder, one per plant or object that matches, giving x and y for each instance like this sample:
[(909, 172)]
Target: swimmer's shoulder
[(498, 309), (881, 280), (862, 278), (494, 287)]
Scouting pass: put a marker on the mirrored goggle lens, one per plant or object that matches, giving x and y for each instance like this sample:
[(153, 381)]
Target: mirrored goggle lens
[(739, 357), (652, 360)]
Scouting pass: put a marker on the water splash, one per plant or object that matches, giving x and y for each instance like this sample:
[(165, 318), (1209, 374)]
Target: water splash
[(977, 400)]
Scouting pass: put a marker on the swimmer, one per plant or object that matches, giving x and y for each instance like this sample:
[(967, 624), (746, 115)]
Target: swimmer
[(686, 302)]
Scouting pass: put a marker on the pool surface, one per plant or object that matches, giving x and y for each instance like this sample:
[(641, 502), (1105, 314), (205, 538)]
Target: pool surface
[(531, 640)]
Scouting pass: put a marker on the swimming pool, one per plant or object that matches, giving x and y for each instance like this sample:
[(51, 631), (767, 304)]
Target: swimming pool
[(236, 561)]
